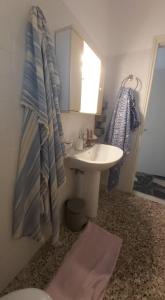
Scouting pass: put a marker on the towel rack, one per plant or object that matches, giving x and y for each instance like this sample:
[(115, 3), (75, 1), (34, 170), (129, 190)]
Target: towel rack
[(131, 77)]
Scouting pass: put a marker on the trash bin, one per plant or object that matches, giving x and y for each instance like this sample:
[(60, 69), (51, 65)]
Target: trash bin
[(76, 218)]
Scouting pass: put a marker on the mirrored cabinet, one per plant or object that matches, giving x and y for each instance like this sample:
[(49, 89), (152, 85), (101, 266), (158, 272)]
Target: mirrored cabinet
[(81, 72)]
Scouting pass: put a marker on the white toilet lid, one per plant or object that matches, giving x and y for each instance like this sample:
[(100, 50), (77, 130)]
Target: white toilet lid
[(27, 294)]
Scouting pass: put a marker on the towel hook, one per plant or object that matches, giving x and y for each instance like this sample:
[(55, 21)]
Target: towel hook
[(130, 77)]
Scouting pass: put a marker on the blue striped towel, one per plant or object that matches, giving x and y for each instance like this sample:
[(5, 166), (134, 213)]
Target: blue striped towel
[(125, 119), (41, 158)]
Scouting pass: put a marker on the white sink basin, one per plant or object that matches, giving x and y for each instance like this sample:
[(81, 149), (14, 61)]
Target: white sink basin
[(97, 158)]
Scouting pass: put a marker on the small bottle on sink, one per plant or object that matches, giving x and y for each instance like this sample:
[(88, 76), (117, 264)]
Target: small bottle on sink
[(79, 145)]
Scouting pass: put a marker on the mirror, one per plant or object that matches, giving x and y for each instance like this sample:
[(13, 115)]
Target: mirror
[(91, 72), (81, 73)]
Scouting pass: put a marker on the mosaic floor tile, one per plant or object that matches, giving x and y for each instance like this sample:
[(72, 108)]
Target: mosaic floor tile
[(140, 270)]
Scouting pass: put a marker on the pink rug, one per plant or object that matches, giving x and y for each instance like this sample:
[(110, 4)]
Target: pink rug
[(87, 267)]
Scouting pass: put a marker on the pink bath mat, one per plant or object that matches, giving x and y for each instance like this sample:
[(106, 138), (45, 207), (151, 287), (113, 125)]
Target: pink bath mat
[(87, 267)]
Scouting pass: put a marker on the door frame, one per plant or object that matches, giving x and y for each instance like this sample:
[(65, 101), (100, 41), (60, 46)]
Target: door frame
[(159, 41)]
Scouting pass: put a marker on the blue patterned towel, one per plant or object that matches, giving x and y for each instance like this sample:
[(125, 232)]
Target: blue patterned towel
[(41, 158), (125, 118)]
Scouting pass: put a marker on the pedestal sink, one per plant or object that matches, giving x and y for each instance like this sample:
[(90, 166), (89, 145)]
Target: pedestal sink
[(91, 162)]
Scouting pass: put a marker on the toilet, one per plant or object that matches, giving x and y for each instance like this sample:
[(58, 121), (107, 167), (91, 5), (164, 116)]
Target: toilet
[(27, 294)]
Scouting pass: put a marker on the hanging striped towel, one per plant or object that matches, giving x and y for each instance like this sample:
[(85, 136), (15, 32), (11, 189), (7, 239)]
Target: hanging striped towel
[(125, 119), (41, 158)]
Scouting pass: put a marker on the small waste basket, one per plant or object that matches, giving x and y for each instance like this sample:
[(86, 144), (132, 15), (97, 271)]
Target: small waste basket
[(76, 218)]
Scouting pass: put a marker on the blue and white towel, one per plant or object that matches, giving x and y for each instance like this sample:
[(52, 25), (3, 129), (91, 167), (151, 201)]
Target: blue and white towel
[(125, 118), (41, 158)]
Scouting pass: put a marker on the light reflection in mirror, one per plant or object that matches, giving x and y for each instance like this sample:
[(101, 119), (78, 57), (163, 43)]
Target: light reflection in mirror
[(91, 72)]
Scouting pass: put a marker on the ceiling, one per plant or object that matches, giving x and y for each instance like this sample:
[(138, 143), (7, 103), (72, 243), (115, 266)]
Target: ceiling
[(120, 26)]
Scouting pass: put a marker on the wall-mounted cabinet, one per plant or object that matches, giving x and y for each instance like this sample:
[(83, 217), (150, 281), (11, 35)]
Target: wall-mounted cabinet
[(81, 73)]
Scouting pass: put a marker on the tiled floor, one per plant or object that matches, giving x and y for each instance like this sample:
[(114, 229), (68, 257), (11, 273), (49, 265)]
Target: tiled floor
[(140, 271), (150, 184)]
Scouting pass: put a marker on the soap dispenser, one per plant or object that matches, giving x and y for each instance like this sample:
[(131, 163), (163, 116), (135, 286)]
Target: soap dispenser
[(79, 145)]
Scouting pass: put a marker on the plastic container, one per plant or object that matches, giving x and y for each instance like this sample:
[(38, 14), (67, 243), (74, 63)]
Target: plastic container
[(75, 215)]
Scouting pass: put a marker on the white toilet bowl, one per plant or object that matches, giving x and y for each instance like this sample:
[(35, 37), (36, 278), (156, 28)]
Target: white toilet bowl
[(27, 294)]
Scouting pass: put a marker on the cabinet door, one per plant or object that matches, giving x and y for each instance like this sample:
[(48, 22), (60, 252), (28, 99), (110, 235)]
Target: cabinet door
[(81, 73), (63, 47), (75, 71), (101, 91)]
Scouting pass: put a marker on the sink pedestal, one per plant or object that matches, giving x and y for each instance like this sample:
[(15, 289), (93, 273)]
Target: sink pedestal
[(88, 185), (88, 165)]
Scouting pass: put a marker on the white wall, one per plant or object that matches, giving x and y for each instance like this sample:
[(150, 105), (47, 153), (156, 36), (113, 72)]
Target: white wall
[(14, 254), (152, 151), (117, 26)]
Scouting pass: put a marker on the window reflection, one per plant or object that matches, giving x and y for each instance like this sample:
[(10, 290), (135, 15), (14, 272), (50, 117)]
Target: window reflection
[(91, 71)]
